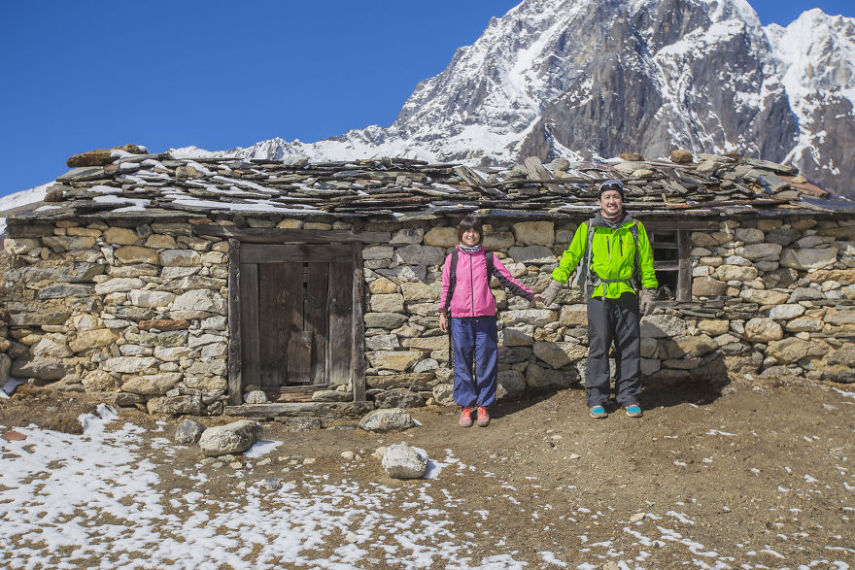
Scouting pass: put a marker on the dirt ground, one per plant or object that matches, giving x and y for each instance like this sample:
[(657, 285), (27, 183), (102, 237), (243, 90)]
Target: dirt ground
[(737, 475)]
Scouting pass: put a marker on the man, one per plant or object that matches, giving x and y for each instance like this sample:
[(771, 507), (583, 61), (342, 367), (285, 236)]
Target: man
[(617, 262)]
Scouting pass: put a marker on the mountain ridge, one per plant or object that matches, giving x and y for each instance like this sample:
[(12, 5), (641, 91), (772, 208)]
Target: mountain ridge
[(586, 79)]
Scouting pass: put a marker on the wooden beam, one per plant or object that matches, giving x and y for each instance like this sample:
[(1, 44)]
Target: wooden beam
[(298, 253), (357, 351), (234, 366), (684, 276), (281, 235)]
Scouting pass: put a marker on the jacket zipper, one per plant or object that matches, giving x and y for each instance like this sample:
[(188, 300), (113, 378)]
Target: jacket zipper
[(471, 287)]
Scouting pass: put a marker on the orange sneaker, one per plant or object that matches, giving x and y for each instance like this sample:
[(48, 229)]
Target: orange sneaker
[(483, 417), (465, 417)]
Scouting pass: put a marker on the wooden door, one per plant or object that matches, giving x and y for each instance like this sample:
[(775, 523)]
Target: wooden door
[(296, 316)]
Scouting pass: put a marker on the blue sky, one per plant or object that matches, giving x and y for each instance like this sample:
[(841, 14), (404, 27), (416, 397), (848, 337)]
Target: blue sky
[(95, 73)]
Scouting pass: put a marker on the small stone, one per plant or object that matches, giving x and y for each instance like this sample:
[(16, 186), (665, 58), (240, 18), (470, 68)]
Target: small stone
[(272, 484), (637, 517), (348, 455), (188, 431)]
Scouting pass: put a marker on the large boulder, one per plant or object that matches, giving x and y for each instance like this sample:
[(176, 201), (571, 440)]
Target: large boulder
[(393, 419), (404, 462), (235, 437)]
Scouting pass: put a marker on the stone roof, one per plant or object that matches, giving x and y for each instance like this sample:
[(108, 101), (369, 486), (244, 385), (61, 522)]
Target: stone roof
[(117, 183)]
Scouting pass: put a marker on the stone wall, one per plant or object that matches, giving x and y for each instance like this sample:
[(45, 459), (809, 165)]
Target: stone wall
[(788, 310), (142, 311), (139, 310)]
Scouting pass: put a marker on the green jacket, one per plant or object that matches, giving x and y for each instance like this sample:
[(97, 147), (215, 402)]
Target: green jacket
[(613, 257)]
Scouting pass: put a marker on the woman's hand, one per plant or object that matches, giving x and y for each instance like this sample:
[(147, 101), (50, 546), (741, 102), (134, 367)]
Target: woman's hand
[(443, 322)]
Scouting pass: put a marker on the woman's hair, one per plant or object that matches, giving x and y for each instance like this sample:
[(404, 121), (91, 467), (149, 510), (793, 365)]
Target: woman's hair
[(470, 222)]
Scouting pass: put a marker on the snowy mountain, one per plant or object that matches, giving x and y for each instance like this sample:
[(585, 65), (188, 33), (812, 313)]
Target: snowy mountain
[(587, 78)]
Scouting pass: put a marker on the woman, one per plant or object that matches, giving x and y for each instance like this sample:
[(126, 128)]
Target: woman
[(468, 303)]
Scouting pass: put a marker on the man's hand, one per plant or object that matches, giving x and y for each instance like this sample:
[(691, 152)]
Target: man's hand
[(647, 301), (551, 292), (443, 322)]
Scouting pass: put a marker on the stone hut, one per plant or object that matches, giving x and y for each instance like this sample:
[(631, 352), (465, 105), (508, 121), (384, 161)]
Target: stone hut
[(203, 286)]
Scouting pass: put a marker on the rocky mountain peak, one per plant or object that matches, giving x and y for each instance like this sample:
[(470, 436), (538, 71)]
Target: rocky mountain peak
[(595, 78)]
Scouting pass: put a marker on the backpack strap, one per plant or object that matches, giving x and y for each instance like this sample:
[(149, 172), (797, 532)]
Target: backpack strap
[(452, 281), (588, 277)]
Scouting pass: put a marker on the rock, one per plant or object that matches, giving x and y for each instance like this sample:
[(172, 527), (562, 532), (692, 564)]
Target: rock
[(100, 381), (559, 354), (708, 287), (255, 397), (136, 254), (421, 291), (443, 394), (393, 419), (662, 325), (398, 398), (394, 360), (494, 241), (515, 337), (408, 236), (388, 321), (786, 312), (575, 315), (534, 233), (794, 349), (808, 258), (763, 330), (235, 437), (536, 254), (190, 404), (765, 296), (188, 431), (443, 237), (200, 300), (389, 303), (47, 370), (331, 396), (404, 462), (5, 366), (126, 400), (538, 378), (94, 338), (150, 299), (511, 384), (420, 254), (681, 156)]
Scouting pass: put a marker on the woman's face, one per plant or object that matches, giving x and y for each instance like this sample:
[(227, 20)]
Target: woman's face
[(470, 238)]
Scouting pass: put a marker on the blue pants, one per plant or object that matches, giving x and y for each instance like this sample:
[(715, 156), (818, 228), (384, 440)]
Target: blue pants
[(613, 320), (475, 343)]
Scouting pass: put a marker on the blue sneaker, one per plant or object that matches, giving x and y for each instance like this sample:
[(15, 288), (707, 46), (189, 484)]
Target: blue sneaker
[(598, 412), (634, 411)]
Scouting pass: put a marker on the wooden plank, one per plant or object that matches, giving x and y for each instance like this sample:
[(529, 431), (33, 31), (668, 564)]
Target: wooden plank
[(279, 235), (340, 306), (357, 363), (317, 321), (299, 358), (684, 277), (234, 366), (303, 253), (250, 356), (280, 290)]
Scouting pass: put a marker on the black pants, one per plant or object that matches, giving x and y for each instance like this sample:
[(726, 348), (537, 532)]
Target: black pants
[(613, 320)]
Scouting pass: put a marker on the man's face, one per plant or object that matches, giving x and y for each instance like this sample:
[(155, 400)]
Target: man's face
[(611, 203)]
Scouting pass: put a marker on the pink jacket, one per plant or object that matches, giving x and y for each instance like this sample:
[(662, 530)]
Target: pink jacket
[(472, 296)]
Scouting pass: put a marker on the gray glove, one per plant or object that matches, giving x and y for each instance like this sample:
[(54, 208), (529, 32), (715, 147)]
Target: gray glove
[(551, 292), (647, 301)]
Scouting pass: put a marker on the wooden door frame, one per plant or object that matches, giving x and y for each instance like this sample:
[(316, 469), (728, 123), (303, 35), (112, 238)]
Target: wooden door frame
[(269, 237)]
